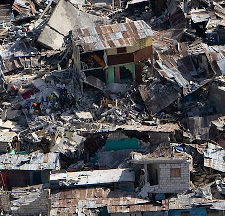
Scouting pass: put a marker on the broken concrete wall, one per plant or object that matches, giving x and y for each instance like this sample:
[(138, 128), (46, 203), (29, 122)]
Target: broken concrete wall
[(119, 141), (165, 177), (5, 139), (18, 178), (217, 131), (65, 17)]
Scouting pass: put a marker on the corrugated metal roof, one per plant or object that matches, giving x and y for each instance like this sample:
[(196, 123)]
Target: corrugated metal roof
[(199, 15), (34, 161), (112, 36), (180, 67), (158, 96), (84, 199), (216, 54), (195, 48), (136, 208), (91, 198), (214, 157), (199, 126), (164, 40)]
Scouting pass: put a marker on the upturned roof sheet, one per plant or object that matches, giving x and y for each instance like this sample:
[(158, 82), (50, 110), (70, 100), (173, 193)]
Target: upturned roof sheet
[(34, 161)]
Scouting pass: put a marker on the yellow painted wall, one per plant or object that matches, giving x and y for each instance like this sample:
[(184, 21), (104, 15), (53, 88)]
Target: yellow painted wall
[(148, 41), (111, 51), (132, 49), (142, 43)]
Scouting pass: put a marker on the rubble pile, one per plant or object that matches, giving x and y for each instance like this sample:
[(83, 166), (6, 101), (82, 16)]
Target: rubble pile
[(112, 107)]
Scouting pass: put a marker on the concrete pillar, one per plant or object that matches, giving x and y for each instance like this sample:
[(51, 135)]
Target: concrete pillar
[(146, 173)]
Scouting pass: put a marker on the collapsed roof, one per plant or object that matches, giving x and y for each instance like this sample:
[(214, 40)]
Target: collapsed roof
[(34, 161)]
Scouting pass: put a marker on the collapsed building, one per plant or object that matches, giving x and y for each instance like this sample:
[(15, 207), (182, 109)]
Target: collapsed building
[(164, 175), (115, 50), (112, 107)]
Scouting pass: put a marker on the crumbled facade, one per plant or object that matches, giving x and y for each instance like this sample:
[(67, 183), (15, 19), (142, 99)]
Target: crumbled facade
[(164, 175), (117, 49), (112, 107)]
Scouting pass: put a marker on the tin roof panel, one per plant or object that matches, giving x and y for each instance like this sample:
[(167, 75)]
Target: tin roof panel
[(112, 36)]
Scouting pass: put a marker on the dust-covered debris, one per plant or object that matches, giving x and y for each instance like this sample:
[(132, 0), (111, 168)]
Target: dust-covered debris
[(113, 107)]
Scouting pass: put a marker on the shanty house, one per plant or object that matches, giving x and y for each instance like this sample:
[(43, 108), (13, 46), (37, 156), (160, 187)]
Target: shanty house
[(163, 174), (19, 170), (113, 53)]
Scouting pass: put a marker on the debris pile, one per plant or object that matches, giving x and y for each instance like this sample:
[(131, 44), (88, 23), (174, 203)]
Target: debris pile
[(112, 108)]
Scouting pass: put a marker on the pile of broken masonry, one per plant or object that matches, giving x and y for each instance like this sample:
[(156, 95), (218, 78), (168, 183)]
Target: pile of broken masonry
[(112, 107)]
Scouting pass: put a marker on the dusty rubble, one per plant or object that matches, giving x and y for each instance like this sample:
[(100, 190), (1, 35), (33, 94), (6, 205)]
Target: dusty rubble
[(112, 107)]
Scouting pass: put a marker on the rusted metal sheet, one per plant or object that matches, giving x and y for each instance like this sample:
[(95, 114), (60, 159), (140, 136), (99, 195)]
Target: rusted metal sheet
[(136, 208), (162, 40), (219, 9), (195, 48), (143, 54), (26, 6), (94, 198), (120, 59), (181, 70), (112, 36), (157, 96)]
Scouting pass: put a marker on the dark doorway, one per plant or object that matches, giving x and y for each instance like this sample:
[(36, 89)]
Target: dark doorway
[(153, 172), (125, 75)]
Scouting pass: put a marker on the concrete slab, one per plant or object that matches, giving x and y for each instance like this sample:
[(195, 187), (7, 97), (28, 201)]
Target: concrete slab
[(65, 17)]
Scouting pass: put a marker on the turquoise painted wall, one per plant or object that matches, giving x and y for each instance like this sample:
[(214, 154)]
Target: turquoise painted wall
[(111, 78), (130, 143), (111, 75)]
